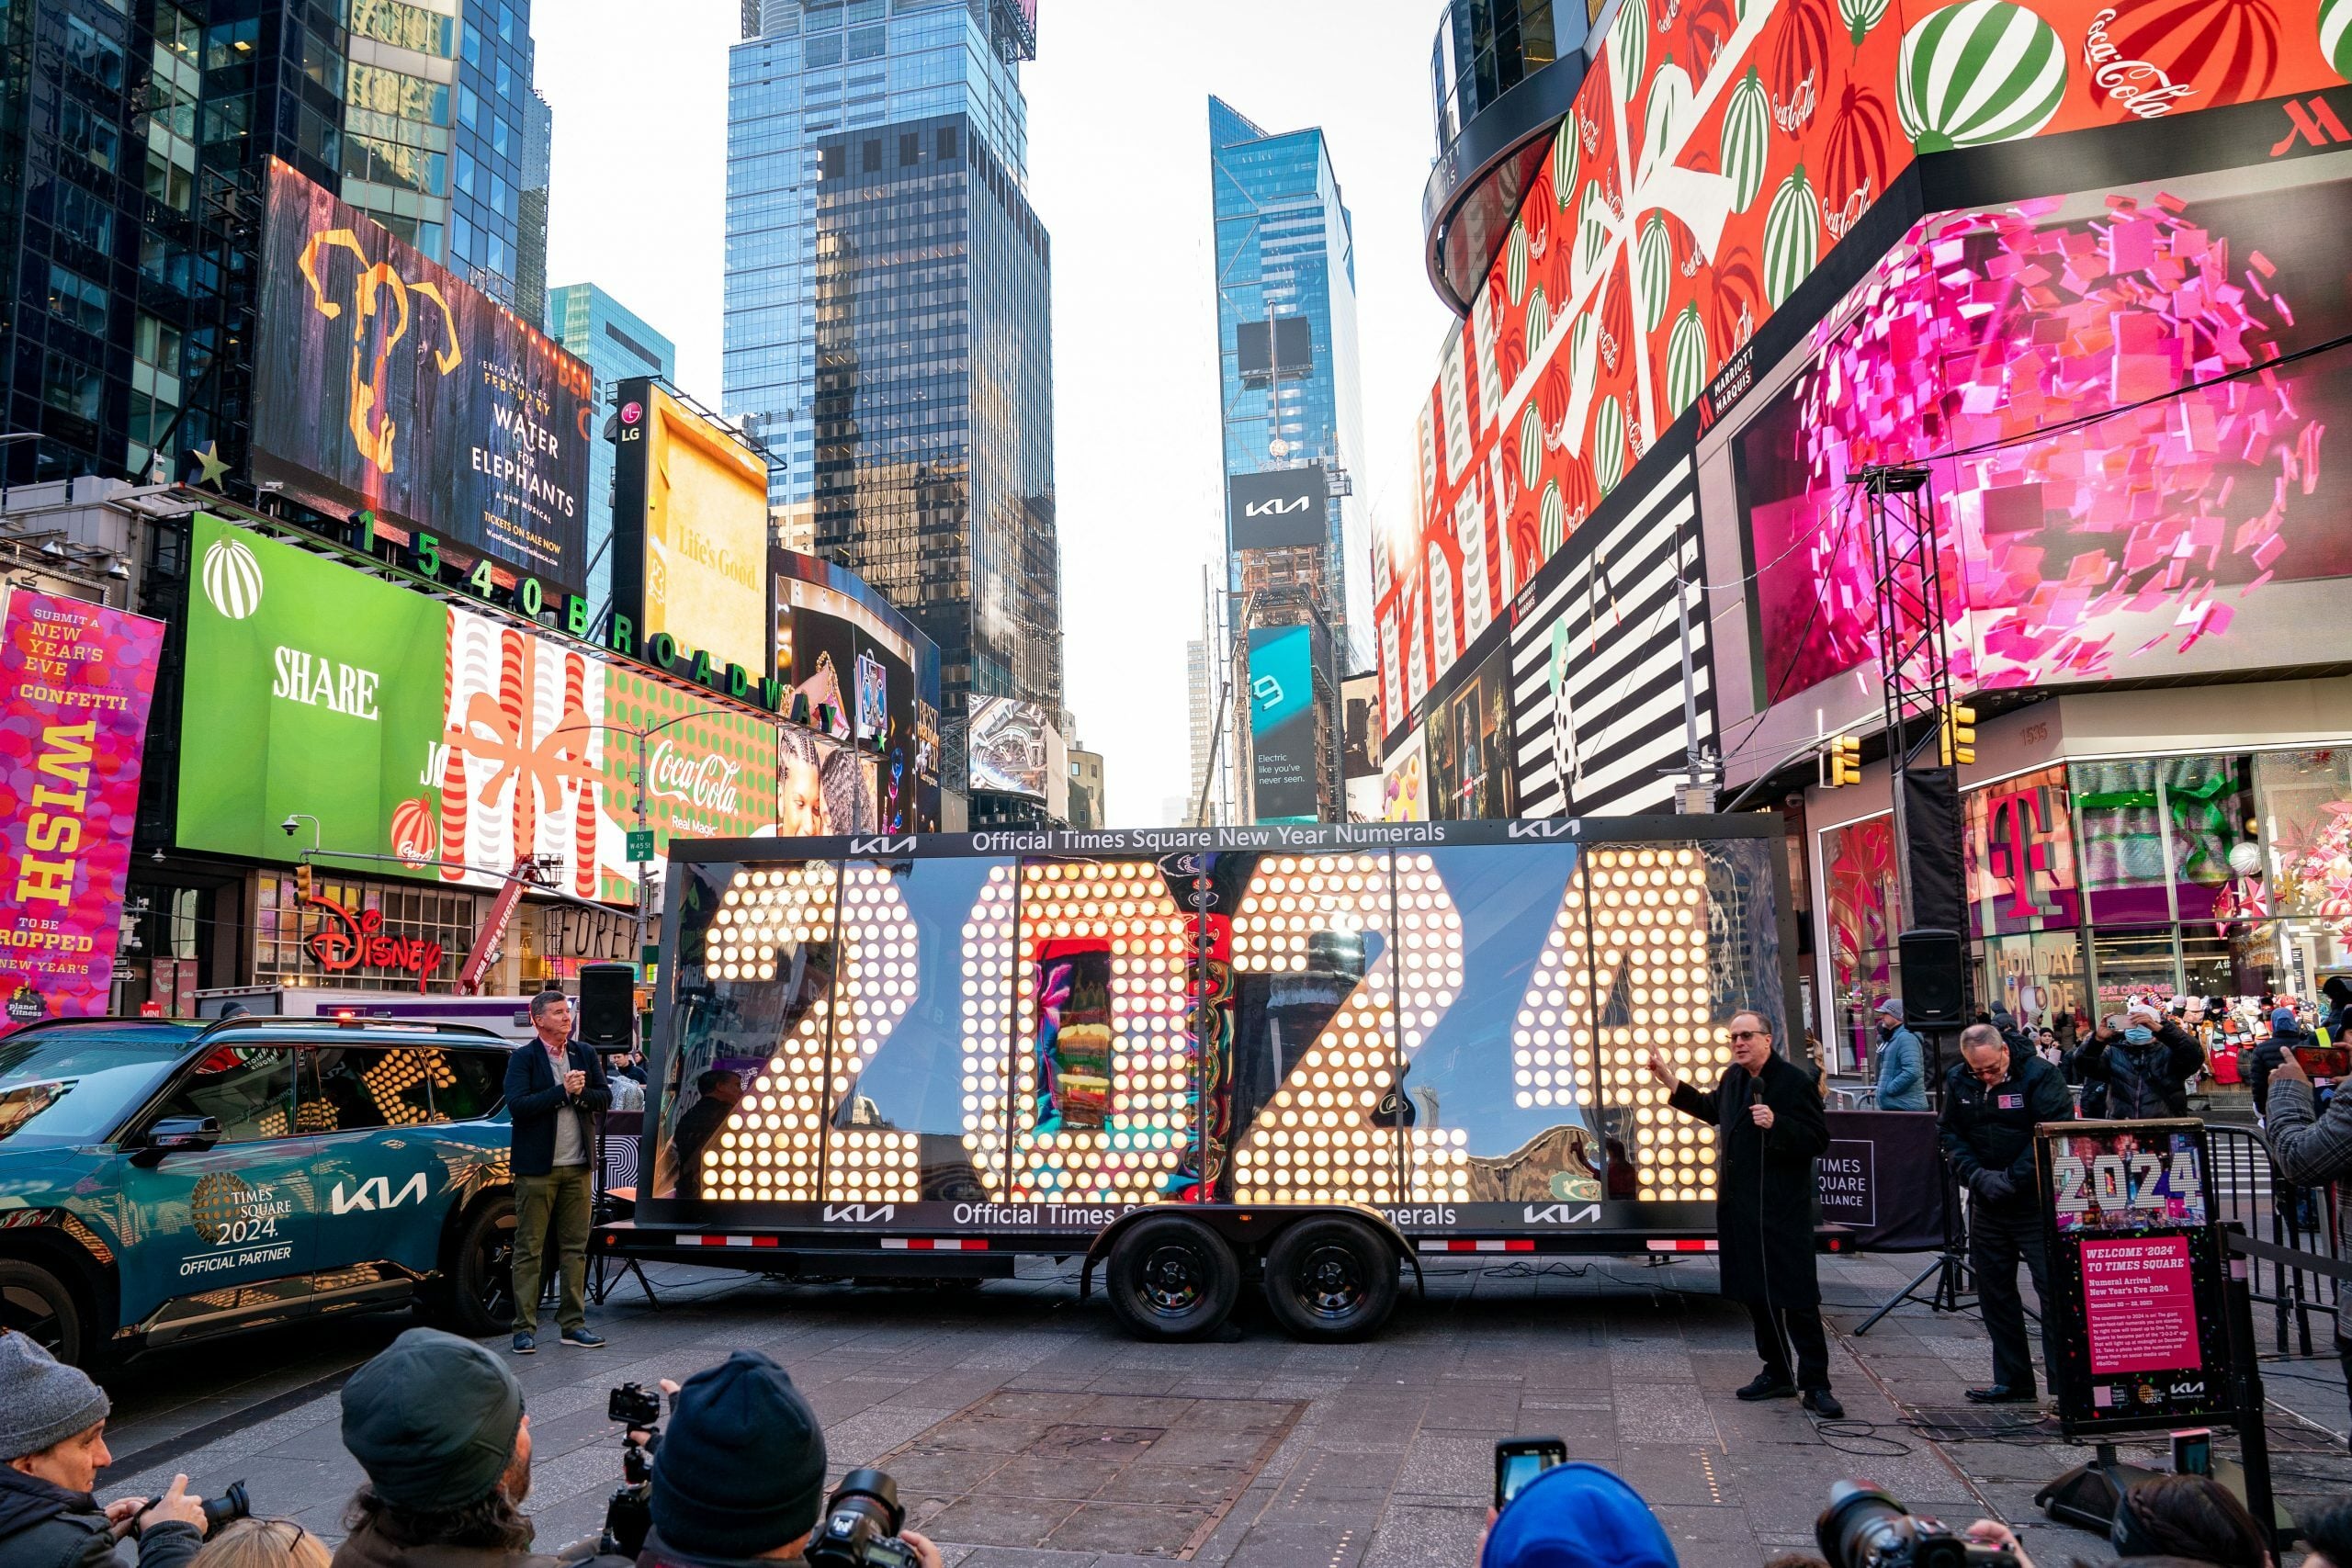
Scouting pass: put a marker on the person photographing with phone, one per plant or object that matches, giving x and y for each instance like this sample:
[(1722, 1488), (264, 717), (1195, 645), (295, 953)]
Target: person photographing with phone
[(1769, 1131)]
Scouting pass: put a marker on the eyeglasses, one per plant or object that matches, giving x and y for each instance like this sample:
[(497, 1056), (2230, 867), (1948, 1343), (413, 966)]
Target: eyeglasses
[(1749, 1034)]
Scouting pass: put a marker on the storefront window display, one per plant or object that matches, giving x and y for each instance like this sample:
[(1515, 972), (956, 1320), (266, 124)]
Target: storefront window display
[(362, 935), (2209, 812), (1864, 904), (2124, 869)]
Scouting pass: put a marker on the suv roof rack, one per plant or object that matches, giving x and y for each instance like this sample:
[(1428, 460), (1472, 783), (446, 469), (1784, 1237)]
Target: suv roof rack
[(330, 1023)]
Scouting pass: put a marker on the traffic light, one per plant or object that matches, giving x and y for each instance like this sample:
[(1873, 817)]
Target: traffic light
[(304, 882), (1845, 760), (1958, 736)]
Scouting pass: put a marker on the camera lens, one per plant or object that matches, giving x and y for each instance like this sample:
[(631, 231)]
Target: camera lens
[(1864, 1527)]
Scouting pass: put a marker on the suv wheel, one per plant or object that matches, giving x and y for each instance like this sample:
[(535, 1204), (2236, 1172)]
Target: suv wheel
[(482, 1285), (36, 1303)]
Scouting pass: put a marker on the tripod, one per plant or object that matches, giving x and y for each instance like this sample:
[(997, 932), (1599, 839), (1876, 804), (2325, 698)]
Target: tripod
[(1949, 1269)]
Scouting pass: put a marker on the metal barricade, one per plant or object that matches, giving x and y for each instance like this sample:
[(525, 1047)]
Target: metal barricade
[(2302, 1221)]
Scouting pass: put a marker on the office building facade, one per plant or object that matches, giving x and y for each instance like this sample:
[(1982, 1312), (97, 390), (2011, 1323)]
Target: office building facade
[(888, 321), (617, 344), (1286, 340), (131, 142)]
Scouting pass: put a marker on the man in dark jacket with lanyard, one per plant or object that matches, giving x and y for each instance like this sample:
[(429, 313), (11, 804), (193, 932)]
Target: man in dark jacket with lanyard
[(1769, 1132), (1993, 1100), (555, 1088)]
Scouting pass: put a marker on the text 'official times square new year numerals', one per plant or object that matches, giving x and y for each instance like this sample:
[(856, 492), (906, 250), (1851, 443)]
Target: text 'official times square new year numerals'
[(1075, 1061)]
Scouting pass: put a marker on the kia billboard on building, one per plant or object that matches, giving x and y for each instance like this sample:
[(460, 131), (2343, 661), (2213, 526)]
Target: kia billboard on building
[(382, 382), (1280, 509)]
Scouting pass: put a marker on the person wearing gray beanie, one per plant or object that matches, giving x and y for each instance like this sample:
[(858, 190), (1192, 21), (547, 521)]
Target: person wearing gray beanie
[(52, 1445), (437, 1424)]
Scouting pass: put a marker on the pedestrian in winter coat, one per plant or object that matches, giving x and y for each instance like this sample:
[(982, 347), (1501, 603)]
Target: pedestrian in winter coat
[(1993, 1100), (2312, 1149), (2262, 1058), (2338, 1019), (1902, 1060), (1769, 1132), (2138, 1066), (52, 1445)]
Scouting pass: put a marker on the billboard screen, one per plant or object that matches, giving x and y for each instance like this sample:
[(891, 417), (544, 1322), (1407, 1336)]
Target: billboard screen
[(75, 679), (1714, 156), (690, 530), (838, 643), (1291, 340), (1280, 509), (457, 742), (1282, 723), (1469, 744), (2101, 516), (381, 381), (1010, 745)]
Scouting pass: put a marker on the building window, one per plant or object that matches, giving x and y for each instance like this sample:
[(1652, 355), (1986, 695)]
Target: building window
[(82, 132), (867, 43), (396, 93), (70, 385), (946, 143), (84, 216), (909, 148), (502, 137), (832, 161), (94, 54), (873, 157), (823, 50), (76, 299)]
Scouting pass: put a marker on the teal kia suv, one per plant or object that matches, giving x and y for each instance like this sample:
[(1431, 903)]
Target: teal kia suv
[(161, 1182)]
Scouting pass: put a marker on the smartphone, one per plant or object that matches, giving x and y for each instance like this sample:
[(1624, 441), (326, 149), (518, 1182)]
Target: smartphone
[(1519, 1460), (2193, 1452)]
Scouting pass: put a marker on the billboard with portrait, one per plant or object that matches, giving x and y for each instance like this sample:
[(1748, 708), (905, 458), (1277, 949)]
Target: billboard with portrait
[(1715, 157), (1282, 731), (690, 529), (1470, 744), (840, 646), (1010, 745), (390, 722), (381, 381)]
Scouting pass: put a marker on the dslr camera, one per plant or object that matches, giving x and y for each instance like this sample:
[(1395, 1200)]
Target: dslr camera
[(628, 1513), (861, 1524), (1865, 1528)]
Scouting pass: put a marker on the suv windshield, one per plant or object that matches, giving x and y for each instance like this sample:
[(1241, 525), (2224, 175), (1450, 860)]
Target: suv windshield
[(63, 1087)]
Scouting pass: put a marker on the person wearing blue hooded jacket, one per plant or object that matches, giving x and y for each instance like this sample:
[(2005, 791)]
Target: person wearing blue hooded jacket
[(1576, 1516), (1902, 1060)]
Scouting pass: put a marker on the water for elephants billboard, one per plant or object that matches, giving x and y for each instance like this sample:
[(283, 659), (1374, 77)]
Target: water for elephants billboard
[(74, 683), (380, 381)]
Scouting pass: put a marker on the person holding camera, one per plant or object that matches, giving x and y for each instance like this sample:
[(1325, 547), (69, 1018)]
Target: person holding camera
[(555, 1088), (1993, 1100), (52, 1427), (437, 1424), (739, 1478), (2312, 1148), (1769, 1131)]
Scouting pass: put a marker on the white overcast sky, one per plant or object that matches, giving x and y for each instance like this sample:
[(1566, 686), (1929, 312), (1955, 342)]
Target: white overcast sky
[(1118, 169)]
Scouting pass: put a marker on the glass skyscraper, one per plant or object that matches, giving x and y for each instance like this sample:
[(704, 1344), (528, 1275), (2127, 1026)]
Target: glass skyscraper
[(1286, 253), (617, 343), (888, 327)]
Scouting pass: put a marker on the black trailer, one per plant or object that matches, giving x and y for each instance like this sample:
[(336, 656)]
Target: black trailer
[(1198, 1057)]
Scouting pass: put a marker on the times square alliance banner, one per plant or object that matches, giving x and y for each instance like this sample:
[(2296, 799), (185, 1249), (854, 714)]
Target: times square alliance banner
[(452, 743), (76, 681)]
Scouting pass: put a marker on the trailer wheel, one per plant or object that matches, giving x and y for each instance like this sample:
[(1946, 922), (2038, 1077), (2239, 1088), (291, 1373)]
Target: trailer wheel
[(1172, 1278), (1331, 1279)]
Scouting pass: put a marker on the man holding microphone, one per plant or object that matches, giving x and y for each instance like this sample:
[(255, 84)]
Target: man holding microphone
[(1769, 1131), (555, 1088)]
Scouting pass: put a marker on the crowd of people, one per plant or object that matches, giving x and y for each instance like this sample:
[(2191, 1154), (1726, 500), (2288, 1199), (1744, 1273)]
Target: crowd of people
[(438, 1426)]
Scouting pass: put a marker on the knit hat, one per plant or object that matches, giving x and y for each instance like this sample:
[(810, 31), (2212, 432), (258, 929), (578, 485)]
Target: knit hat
[(1891, 1006), (432, 1420), (42, 1401), (1576, 1516), (741, 1466)]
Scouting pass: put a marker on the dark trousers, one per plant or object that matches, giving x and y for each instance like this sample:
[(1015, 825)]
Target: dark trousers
[(1780, 1330), (558, 1202), (1998, 1240)]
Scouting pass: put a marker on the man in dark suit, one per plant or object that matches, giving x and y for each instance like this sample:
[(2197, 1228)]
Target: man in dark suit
[(1770, 1130), (554, 1090)]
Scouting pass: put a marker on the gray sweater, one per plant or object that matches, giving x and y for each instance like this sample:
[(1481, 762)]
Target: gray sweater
[(2312, 1149)]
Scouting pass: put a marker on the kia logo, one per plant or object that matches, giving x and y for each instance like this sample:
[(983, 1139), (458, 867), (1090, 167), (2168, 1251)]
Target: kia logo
[(1278, 506), (1551, 829), (881, 846)]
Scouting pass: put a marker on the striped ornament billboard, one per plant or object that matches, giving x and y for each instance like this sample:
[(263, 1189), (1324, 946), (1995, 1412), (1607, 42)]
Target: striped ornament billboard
[(1598, 711)]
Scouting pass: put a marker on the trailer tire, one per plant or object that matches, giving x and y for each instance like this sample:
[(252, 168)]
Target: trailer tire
[(1172, 1278), (1331, 1279)]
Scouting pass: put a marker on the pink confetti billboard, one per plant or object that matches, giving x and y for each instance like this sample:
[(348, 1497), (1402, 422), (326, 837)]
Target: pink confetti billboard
[(75, 683)]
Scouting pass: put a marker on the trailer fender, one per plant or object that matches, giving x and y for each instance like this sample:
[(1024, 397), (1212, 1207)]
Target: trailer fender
[(1248, 1229)]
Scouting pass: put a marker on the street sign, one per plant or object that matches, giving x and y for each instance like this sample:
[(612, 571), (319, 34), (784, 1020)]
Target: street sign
[(640, 844)]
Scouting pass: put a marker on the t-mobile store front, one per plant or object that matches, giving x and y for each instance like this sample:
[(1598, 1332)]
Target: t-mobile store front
[(2096, 877)]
